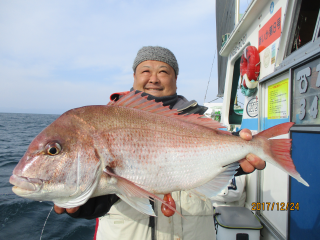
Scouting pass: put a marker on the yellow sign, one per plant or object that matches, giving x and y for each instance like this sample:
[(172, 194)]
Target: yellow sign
[(278, 100)]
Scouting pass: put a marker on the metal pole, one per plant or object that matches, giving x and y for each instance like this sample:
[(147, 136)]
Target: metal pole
[(237, 15)]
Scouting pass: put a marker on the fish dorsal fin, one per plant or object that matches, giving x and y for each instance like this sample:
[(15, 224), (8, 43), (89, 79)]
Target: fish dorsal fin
[(135, 100)]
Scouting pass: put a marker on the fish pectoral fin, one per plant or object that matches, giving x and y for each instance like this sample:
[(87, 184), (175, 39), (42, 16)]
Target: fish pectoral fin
[(199, 195), (129, 190), (220, 182), (140, 204)]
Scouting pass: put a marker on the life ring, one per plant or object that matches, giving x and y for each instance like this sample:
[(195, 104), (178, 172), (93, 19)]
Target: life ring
[(250, 67)]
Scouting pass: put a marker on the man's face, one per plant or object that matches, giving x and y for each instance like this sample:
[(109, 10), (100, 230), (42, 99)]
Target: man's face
[(155, 78)]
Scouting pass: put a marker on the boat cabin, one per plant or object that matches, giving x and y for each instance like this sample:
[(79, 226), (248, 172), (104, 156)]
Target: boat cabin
[(286, 36)]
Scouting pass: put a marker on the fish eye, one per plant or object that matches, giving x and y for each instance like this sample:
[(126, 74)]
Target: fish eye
[(53, 148)]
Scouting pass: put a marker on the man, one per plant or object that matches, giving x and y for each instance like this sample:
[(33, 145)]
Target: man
[(155, 74), (233, 195)]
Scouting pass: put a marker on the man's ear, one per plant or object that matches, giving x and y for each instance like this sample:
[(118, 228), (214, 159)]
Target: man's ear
[(176, 82), (134, 79)]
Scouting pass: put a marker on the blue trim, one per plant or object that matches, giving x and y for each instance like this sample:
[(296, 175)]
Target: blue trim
[(250, 123), (304, 223), (268, 123)]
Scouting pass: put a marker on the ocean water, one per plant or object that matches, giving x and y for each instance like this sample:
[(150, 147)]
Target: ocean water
[(20, 218)]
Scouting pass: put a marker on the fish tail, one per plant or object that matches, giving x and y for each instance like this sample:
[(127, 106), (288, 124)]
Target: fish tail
[(280, 150), (276, 130)]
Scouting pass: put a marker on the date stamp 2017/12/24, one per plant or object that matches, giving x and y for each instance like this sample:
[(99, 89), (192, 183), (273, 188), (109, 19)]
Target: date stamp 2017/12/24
[(274, 206)]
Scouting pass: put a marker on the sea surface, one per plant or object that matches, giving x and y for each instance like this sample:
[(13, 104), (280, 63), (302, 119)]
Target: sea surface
[(20, 218)]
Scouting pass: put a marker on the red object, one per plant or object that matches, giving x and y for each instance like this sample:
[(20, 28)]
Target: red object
[(243, 68), (270, 32), (96, 229), (165, 209), (115, 96), (281, 148), (250, 64), (243, 65)]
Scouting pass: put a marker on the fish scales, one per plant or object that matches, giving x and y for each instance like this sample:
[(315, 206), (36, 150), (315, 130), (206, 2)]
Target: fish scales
[(168, 147), (136, 153), (165, 160)]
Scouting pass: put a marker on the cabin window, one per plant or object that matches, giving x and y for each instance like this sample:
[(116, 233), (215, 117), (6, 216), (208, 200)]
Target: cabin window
[(235, 114), (304, 24)]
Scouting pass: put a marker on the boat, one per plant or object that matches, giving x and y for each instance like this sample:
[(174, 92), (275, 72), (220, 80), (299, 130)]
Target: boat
[(286, 35)]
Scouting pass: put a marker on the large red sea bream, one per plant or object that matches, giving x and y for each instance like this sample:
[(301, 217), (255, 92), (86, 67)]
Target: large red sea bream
[(137, 148)]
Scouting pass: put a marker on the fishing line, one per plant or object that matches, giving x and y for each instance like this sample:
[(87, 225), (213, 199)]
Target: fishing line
[(225, 6), (45, 223), (210, 76), (215, 99)]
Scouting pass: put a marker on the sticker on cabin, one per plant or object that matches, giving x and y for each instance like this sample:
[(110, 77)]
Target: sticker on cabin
[(268, 43), (278, 100), (252, 107), (273, 53), (270, 32), (266, 58)]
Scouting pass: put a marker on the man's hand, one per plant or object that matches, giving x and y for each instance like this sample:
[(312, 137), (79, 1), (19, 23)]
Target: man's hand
[(60, 210), (93, 208), (251, 162)]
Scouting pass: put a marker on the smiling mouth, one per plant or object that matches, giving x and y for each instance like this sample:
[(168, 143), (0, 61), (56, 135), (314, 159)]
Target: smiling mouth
[(24, 185), (154, 89)]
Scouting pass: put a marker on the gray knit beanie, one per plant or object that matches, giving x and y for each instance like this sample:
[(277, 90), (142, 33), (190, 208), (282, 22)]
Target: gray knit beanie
[(157, 54)]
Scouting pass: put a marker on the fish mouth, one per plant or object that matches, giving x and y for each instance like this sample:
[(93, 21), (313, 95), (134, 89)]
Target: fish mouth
[(25, 185)]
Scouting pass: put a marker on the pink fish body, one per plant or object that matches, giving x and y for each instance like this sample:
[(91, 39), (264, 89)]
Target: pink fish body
[(137, 148)]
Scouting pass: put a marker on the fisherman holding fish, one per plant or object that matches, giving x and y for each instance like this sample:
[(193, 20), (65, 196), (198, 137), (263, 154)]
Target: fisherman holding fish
[(155, 74)]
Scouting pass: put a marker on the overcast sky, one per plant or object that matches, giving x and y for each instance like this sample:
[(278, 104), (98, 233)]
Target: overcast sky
[(58, 55)]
